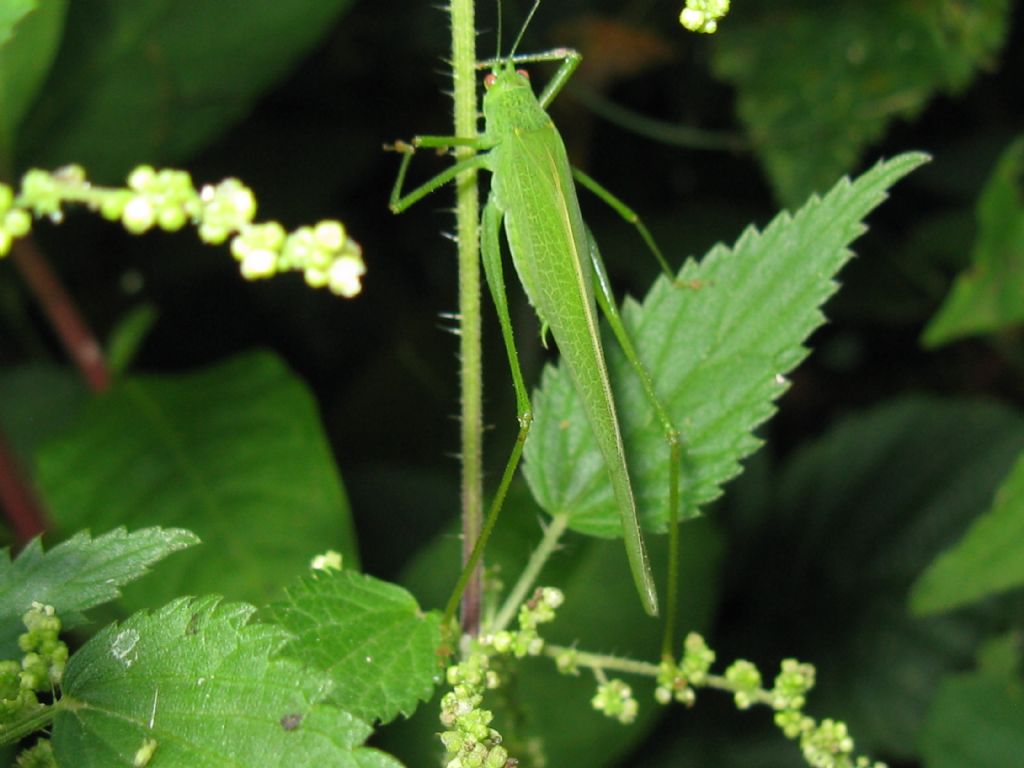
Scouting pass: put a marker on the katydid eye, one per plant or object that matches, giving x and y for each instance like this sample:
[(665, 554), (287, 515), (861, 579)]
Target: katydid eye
[(490, 80), (524, 73)]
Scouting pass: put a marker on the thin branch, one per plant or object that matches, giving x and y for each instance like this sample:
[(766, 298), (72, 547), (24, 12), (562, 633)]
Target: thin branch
[(68, 323)]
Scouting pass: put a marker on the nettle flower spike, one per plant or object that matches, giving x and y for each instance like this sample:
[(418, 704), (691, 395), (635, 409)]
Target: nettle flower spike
[(703, 15), (167, 199), (469, 741)]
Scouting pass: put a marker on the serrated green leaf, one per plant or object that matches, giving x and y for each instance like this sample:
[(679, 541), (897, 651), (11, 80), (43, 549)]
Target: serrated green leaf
[(718, 344), (235, 453), (204, 686), (989, 295), (369, 636), (29, 35), (77, 574), (975, 720), (819, 82), (856, 516), (989, 558), (155, 80)]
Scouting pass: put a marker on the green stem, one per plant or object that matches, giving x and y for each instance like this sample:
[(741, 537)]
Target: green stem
[(605, 663), (467, 215), (528, 577), (600, 661), (12, 733)]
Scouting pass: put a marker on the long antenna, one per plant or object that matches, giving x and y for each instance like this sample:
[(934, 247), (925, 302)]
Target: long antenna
[(522, 31), (501, 14)]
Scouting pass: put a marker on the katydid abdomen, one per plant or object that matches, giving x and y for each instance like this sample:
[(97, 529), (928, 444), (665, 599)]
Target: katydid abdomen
[(550, 248)]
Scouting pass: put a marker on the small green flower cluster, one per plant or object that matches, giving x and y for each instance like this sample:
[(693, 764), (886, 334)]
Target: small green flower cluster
[(614, 698), (676, 681), (14, 222), (39, 755), (40, 669), (745, 682), (539, 609), (703, 15), (167, 199), (470, 742), (826, 744)]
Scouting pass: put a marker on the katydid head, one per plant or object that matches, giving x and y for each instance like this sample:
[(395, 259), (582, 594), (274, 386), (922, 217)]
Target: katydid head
[(505, 77), (509, 101)]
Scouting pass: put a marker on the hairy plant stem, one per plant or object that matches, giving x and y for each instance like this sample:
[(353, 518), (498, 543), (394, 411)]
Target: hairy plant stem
[(467, 217), (29, 723), (600, 663)]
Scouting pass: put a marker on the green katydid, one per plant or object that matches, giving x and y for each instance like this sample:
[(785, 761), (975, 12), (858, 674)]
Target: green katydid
[(558, 263)]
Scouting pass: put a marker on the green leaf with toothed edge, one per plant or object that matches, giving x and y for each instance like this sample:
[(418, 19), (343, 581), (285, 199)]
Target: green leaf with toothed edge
[(718, 344), (78, 574), (200, 687), (369, 636)]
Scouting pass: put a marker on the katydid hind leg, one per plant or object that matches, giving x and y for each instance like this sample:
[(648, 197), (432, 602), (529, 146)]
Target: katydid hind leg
[(491, 256), (490, 250), (606, 301)]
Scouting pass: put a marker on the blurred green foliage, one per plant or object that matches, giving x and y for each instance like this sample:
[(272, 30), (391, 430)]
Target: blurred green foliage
[(812, 552)]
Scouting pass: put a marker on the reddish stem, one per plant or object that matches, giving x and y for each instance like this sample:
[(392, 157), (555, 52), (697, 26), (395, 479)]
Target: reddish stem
[(75, 335), (21, 505), (19, 501)]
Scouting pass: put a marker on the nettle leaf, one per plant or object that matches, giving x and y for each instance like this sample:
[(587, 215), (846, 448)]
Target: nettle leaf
[(975, 719), (197, 685), (235, 453), (718, 344), (77, 574), (989, 558), (156, 80), (819, 82), (989, 295), (378, 648)]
